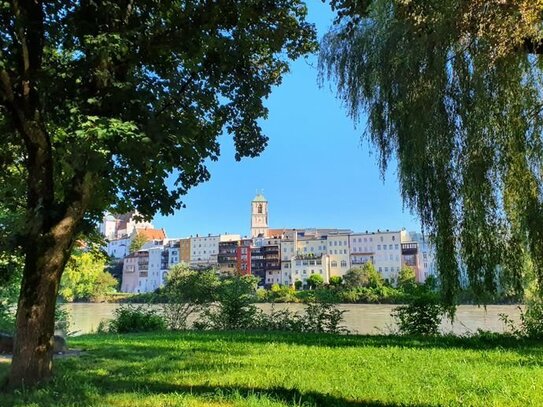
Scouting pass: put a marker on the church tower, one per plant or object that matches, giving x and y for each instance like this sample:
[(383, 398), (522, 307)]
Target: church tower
[(259, 216)]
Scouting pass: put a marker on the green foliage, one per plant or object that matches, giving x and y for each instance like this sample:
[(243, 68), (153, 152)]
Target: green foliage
[(335, 281), (406, 278), (186, 292), (137, 243), (298, 284), (531, 321), (366, 276), (451, 90), (140, 318), (234, 307), (422, 315), (282, 294), (323, 317), (315, 281), (316, 318), (85, 278), (202, 369), (10, 283)]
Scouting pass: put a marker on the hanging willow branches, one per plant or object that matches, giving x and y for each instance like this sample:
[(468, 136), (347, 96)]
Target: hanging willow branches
[(452, 90)]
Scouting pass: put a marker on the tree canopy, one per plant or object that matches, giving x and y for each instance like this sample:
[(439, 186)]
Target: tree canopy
[(102, 102), (452, 92)]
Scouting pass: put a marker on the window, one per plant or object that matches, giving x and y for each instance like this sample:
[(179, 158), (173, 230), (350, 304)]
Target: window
[(390, 247), (386, 269), (393, 237), (396, 246), (344, 251), (334, 263), (381, 238), (259, 209), (335, 251), (365, 240), (378, 247), (380, 269), (340, 242), (343, 263)]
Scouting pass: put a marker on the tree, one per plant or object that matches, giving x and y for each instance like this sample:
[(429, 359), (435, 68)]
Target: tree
[(407, 278), (315, 281), (336, 281), (101, 102), (452, 91), (85, 277), (298, 285), (366, 276), (137, 243), (187, 291)]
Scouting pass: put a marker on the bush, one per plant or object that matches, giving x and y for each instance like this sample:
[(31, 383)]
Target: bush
[(531, 321), (422, 316), (135, 319), (323, 318), (317, 318), (234, 308), (186, 292)]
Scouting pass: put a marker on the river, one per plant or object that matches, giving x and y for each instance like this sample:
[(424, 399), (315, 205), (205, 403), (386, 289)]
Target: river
[(359, 318)]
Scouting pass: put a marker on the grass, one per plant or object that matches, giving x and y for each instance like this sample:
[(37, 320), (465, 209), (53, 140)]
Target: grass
[(279, 369)]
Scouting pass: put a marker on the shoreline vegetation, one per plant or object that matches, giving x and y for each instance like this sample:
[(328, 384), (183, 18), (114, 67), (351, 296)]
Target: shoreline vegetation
[(278, 369)]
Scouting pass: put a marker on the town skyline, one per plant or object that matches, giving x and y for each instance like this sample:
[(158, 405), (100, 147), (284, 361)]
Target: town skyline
[(315, 171)]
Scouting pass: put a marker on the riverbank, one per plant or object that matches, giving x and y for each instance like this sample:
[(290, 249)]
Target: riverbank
[(362, 319), (264, 369)]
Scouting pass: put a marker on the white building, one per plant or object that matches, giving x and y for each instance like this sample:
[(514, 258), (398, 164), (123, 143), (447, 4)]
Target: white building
[(339, 252), (382, 248), (426, 257), (121, 226), (259, 216), (205, 249)]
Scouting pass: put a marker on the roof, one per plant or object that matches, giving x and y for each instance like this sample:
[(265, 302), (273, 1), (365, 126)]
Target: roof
[(260, 198), (151, 234)]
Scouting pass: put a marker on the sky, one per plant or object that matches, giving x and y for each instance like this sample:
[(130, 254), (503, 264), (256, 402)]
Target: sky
[(316, 171)]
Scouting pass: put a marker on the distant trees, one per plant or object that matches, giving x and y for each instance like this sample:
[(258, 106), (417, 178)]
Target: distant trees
[(85, 277), (137, 243), (366, 276), (187, 291), (315, 281), (335, 281)]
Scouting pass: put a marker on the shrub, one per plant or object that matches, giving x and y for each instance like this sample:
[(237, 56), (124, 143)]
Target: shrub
[(422, 316), (186, 292), (335, 281), (531, 321), (234, 308), (323, 317), (315, 281), (136, 319)]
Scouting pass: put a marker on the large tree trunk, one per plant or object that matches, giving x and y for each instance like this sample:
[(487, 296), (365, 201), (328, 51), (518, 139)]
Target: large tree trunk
[(46, 257)]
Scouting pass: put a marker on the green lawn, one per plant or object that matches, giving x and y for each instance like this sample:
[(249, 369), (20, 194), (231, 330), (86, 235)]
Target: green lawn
[(235, 369)]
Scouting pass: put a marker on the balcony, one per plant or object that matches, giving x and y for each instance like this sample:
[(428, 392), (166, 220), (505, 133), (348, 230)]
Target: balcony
[(409, 248)]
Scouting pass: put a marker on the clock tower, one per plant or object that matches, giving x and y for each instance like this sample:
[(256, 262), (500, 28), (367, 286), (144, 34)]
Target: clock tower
[(259, 216)]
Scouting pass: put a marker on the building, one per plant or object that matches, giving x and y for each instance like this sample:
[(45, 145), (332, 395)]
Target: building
[(426, 257), (119, 248), (387, 250), (259, 216), (135, 272), (243, 256), (121, 226)]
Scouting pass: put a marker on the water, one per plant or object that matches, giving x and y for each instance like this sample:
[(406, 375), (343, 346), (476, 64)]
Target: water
[(359, 318)]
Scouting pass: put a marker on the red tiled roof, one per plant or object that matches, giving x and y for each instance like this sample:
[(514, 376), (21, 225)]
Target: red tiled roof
[(151, 234)]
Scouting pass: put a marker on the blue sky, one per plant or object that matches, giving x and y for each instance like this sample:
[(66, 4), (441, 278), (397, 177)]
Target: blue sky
[(315, 172)]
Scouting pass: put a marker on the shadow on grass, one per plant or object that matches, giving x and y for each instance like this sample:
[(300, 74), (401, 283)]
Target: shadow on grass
[(378, 341)]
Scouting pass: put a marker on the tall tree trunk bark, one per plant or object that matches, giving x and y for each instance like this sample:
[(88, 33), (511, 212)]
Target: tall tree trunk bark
[(46, 257)]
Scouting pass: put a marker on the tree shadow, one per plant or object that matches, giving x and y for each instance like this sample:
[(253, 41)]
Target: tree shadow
[(378, 341)]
